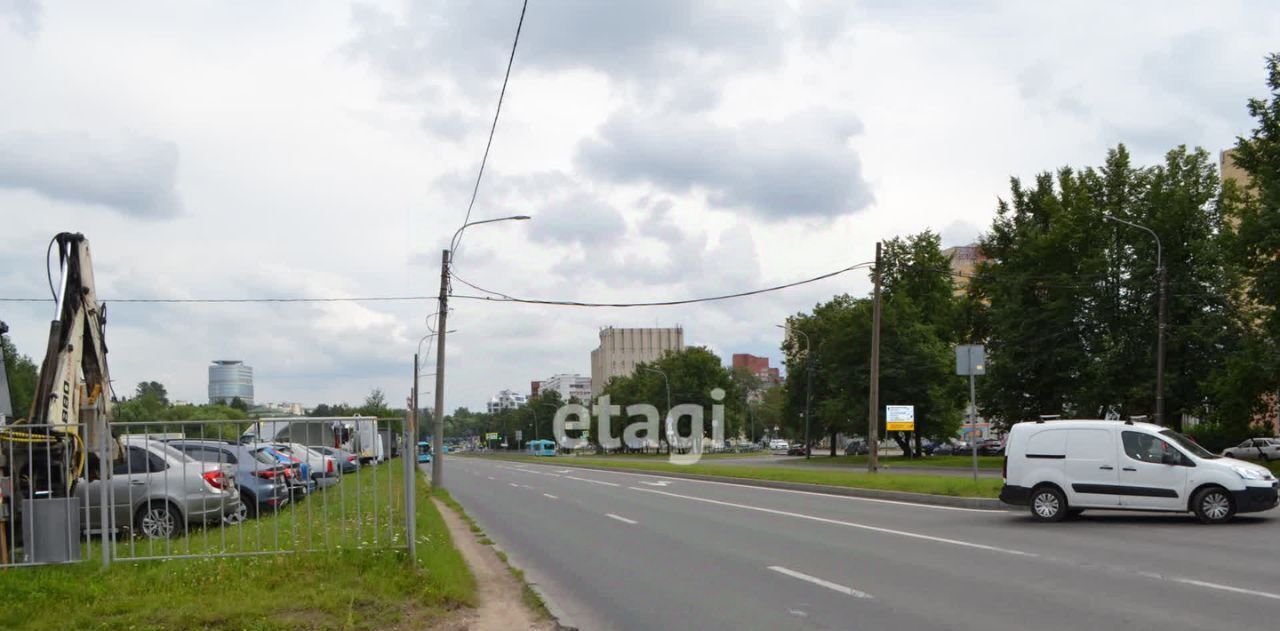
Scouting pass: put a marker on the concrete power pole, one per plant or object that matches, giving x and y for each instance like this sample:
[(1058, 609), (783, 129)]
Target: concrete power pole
[(873, 415), (437, 423)]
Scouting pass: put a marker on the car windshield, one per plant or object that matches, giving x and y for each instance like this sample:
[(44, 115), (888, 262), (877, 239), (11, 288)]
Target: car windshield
[(1188, 444)]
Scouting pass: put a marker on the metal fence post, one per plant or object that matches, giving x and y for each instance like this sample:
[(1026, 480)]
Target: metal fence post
[(105, 509), (410, 457)]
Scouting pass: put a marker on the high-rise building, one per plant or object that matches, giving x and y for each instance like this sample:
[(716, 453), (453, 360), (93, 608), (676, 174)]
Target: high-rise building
[(568, 385), (621, 349), (230, 379), (506, 400)]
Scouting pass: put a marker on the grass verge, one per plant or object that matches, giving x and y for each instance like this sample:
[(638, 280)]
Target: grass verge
[(358, 586), (530, 597), (929, 462), (955, 486)]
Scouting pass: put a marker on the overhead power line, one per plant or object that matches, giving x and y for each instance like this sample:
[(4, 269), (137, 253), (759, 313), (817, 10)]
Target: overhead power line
[(240, 300), (494, 296), (475, 191)]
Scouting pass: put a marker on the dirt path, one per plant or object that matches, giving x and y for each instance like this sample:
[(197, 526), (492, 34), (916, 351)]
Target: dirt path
[(502, 606)]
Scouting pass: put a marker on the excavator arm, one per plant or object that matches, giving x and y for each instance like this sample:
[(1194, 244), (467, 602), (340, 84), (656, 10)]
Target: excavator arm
[(69, 421)]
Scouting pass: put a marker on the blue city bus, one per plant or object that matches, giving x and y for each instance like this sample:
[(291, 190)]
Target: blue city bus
[(541, 448), (424, 451)]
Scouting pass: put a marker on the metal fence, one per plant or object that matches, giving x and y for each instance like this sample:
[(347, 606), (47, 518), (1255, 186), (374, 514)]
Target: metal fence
[(205, 488)]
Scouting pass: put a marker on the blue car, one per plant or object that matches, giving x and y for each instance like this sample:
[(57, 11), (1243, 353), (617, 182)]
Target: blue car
[(306, 483)]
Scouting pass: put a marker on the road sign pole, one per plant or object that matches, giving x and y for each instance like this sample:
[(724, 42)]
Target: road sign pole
[(973, 418)]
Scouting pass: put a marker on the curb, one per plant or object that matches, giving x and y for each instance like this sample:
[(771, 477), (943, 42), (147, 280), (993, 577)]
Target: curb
[(981, 503)]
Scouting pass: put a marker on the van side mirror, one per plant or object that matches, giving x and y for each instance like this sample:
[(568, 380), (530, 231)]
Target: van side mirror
[(1170, 458)]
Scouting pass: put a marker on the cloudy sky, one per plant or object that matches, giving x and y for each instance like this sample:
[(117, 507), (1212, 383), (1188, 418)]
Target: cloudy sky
[(666, 150)]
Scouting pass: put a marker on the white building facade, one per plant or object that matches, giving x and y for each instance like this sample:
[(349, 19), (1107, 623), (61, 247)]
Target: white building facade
[(621, 349), (569, 386), (506, 400)]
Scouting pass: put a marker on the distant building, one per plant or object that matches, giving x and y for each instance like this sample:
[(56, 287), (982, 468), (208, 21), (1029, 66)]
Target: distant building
[(535, 387), (758, 366), (964, 263), (229, 379), (621, 349), (281, 409), (1231, 172), (506, 400), (568, 385)]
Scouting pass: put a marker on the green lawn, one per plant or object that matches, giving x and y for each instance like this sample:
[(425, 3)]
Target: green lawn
[(943, 462), (343, 587), (957, 486)]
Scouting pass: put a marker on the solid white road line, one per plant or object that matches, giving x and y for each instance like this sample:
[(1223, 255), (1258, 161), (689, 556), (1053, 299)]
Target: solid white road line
[(794, 491), (490, 477), (838, 522), (592, 481), (550, 496), (1225, 588), (514, 484), (621, 519), (836, 587)]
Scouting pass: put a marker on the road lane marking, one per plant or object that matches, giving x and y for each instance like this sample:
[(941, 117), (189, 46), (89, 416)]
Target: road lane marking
[(835, 587), (966, 544), (838, 522), (1225, 588), (658, 483), (794, 491), (592, 481), (554, 475), (621, 519), (550, 496), (490, 477), (514, 484)]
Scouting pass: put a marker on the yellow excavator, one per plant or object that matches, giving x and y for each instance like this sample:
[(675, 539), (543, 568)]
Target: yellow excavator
[(67, 431)]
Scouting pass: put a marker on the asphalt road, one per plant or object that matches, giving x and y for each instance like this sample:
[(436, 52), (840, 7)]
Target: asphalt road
[(615, 550), (823, 460)]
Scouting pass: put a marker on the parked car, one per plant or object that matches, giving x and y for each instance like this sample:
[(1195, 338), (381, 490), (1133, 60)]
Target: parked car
[(323, 469), (945, 448), (157, 491), (1264, 449), (990, 447), (259, 477), (796, 450), (1060, 468), (298, 474), (856, 447), (778, 444), (347, 461)]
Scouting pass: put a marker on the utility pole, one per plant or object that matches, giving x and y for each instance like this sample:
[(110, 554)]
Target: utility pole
[(808, 398), (410, 456), (873, 416), (437, 434), (1160, 317)]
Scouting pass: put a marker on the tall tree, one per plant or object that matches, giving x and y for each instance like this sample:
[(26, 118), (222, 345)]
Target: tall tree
[(153, 389)]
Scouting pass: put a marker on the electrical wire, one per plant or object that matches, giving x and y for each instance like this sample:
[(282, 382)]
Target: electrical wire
[(239, 300), (453, 247), (662, 303)]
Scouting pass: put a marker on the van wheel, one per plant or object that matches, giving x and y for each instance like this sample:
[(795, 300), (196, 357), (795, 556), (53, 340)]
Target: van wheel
[(1048, 504), (1213, 505)]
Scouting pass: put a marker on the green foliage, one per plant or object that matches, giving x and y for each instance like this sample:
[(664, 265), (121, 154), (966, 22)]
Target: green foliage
[(153, 389), (919, 328), (22, 376), (239, 404), (692, 374), (1067, 301)]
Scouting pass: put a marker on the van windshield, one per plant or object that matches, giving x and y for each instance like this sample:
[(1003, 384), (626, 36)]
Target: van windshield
[(1188, 444)]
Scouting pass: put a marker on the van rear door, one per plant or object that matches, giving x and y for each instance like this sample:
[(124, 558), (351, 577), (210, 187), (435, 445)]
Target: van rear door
[(1090, 467)]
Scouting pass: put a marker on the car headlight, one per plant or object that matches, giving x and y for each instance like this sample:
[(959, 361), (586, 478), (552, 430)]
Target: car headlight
[(1249, 473)]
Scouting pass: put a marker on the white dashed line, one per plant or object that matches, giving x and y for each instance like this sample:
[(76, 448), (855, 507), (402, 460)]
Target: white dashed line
[(592, 481), (835, 587), (550, 496), (621, 519)]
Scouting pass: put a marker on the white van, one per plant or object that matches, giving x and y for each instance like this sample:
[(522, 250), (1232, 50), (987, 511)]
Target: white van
[(1060, 468)]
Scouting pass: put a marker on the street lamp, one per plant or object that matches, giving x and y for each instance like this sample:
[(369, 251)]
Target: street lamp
[(437, 439), (670, 431), (1162, 277), (534, 410), (808, 389)]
